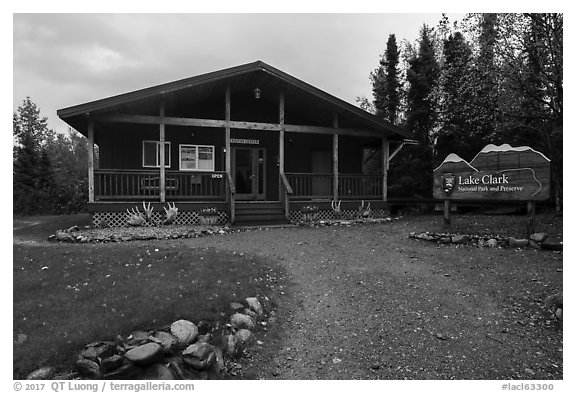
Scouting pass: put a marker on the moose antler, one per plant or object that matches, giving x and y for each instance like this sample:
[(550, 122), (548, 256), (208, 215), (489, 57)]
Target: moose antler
[(147, 211), (135, 218), (367, 211), (171, 213), (336, 206)]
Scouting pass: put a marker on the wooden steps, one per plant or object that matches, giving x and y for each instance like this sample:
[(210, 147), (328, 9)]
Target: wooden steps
[(260, 213)]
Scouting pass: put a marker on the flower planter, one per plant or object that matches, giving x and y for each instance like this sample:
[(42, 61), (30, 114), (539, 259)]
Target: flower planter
[(208, 220), (308, 217)]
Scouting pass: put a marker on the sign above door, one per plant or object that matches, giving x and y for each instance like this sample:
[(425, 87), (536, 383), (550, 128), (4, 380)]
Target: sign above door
[(245, 141)]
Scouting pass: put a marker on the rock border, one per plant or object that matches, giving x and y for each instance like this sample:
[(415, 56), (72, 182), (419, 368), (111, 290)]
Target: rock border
[(115, 235), (539, 241), (183, 350)]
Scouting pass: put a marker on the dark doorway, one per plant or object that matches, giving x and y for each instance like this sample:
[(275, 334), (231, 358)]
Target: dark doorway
[(249, 171)]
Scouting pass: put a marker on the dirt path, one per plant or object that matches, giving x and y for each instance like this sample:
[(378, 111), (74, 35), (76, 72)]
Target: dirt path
[(368, 303)]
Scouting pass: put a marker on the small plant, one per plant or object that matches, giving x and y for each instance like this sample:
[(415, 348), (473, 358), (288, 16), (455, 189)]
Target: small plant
[(208, 212), (309, 209), (209, 216), (309, 213)]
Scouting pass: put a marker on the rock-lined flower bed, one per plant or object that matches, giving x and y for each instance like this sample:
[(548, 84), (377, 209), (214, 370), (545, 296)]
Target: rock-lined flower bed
[(183, 350), (540, 241), (125, 234), (357, 221), (103, 235)]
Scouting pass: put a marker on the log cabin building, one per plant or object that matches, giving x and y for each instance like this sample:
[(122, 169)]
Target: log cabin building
[(251, 141)]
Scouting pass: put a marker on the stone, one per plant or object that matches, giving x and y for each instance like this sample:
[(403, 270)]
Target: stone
[(254, 305), (203, 327), (535, 245), (232, 345), (218, 365), (492, 243), (63, 236), (185, 331), (176, 364), (205, 338), (459, 239), (513, 242), (236, 306), (445, 240), (243, 336), (168, 341), (199, 356), (111, 363), (137, 337), (127, 371), (42, 373), (538, 237), (157, 372), (89, 369), (242, 321), (21, 339), (145, 354), (552, 244), (251, 313), (97, 350)]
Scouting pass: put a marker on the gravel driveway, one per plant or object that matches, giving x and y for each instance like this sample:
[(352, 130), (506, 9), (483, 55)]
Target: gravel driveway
[(368, 303)]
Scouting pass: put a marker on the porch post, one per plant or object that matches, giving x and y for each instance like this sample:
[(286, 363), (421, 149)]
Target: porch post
[(229, 155), (90, 160), (335, 157), (385, 162), (162, 153), (283, 191)]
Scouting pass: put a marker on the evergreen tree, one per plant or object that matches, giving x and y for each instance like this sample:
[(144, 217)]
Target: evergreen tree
[(385, 83), (453, 100), (412, 175), (25, 176), (482, 84)]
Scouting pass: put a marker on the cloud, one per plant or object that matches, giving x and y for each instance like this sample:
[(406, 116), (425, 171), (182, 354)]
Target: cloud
[(67, 59)]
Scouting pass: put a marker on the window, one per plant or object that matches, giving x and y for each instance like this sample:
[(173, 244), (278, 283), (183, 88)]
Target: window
[(196, 158), (151, 154)]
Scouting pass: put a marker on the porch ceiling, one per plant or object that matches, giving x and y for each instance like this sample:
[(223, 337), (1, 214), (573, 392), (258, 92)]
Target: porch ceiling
[(300, 97)]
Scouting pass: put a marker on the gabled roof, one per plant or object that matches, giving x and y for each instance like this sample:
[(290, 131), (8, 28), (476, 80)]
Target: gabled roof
[(71, 114)]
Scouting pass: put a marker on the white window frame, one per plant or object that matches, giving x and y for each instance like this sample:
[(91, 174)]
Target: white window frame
[(197, 154), (158, 143)]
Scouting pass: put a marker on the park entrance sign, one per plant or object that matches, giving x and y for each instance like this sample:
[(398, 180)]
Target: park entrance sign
[(502, 172)]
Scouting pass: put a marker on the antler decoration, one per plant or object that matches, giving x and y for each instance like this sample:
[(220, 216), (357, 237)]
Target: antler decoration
[(171, 213), (147, 211), (365, 210), (135, 218), (336, 206)]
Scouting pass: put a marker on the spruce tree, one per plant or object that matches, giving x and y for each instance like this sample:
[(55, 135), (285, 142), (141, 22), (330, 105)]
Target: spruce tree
[(453, 100), (385, 83), (412, 175)]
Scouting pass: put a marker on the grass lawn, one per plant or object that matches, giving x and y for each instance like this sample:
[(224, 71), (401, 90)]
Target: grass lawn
[(68, 295)]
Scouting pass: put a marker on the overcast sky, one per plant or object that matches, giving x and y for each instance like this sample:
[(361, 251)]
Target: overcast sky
[(67, 59)]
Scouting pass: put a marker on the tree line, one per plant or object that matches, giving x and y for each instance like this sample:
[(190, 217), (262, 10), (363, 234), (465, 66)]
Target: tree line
[(49, 169), (492, 78)]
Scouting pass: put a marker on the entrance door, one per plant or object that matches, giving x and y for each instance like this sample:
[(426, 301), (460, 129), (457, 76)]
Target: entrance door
[(249, 171)]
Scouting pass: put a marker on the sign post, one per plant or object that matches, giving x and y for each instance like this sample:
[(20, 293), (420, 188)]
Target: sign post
[(447, 211), (497, 173)]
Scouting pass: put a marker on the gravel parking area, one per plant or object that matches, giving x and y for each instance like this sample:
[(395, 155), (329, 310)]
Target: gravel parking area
[(366, 302)]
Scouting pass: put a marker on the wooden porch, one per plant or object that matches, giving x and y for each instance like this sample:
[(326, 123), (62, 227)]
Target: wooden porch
[(127, 185)]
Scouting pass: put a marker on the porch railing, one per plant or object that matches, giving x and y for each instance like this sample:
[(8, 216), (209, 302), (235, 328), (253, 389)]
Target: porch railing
[(320, 186), (145, 184)]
